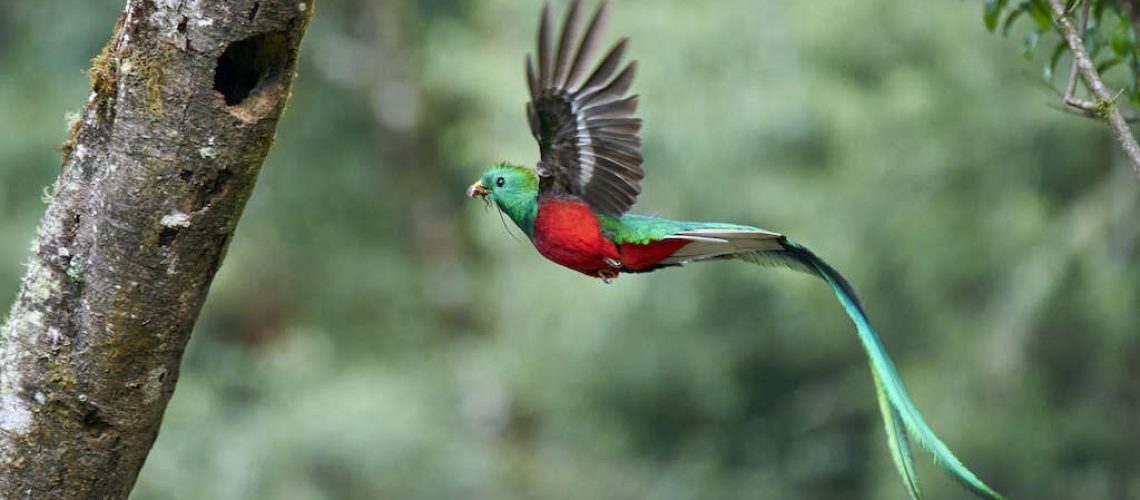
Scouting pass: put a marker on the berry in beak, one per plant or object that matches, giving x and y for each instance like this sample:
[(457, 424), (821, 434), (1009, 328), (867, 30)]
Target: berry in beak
[(477, 189)]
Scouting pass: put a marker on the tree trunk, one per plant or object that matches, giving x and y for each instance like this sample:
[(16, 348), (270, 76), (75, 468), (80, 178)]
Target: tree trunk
[(184, 104)]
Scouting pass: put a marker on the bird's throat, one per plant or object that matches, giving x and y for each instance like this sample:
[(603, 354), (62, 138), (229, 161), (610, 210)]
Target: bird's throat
[(522, 211)]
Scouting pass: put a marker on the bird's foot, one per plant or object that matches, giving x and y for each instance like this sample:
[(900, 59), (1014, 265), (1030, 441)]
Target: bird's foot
[(608, 275)]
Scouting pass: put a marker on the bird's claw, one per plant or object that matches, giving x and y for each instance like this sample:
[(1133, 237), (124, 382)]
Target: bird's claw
[(609, 275)]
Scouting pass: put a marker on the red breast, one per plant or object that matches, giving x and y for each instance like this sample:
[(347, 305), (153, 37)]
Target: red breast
[(567, 232)]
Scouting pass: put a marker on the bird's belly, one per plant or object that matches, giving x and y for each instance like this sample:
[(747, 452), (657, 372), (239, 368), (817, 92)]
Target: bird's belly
[(642, 257), (567, 232)]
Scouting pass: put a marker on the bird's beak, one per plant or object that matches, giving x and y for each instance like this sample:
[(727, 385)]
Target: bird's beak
[(477, 189)]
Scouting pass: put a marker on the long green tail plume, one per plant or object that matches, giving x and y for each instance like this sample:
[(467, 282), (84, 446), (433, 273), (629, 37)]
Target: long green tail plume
[(900, 416)]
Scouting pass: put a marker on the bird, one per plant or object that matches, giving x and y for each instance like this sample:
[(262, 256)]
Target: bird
[(573, 206)]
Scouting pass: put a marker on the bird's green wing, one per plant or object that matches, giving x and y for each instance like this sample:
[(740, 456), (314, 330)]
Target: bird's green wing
[(585, 126)]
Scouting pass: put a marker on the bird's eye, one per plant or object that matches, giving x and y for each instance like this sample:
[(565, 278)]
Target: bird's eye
[(500, 181)]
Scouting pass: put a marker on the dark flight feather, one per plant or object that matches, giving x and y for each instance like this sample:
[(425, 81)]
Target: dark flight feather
[(565, 43), (589, 45), (587, 135), (544, 55), (605, 69)]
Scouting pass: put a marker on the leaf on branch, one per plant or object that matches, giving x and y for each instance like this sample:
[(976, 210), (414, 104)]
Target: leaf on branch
[(1029, 43), (1009, 21), (1108, 64), (1039, 11), (1058, 50), (1121, 37), (1131, 80), (992, 13)]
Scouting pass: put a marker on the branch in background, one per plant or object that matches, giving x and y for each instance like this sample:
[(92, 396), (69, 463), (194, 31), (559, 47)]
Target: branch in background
[(1105, 104), (1071, 88), (184, 105), (1076, 105), (1130, 116)]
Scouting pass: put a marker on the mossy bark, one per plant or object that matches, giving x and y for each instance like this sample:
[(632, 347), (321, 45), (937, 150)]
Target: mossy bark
[(184, 104)]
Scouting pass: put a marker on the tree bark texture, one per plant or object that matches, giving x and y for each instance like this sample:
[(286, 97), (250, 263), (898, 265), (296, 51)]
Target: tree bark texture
[(184, 105)]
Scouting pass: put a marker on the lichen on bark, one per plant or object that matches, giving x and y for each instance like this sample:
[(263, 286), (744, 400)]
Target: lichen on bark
[(155, 175)]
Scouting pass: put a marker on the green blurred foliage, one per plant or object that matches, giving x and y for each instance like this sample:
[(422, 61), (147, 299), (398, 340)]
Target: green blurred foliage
[(374, 334), (1109, 38)]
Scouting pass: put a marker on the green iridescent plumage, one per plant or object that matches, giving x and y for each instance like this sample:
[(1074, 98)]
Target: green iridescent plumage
[(642, 229), (518, 198), (589, 175), (514, 190)]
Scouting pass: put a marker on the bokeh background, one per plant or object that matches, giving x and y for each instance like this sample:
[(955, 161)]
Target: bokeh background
[(374, 334)]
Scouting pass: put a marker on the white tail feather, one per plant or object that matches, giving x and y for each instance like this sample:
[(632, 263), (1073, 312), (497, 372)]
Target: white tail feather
[(712, 243)]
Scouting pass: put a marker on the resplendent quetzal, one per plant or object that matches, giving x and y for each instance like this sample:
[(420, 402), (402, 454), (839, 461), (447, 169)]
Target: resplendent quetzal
[(573, 207)]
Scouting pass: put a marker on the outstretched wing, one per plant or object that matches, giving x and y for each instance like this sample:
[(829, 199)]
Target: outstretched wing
[(585, 126)]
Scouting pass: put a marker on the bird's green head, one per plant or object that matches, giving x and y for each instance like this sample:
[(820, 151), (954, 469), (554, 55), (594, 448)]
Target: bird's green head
[(514, 189)]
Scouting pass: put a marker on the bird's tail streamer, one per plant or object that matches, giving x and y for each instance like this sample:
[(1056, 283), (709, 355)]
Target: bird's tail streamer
[(900, 416)]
